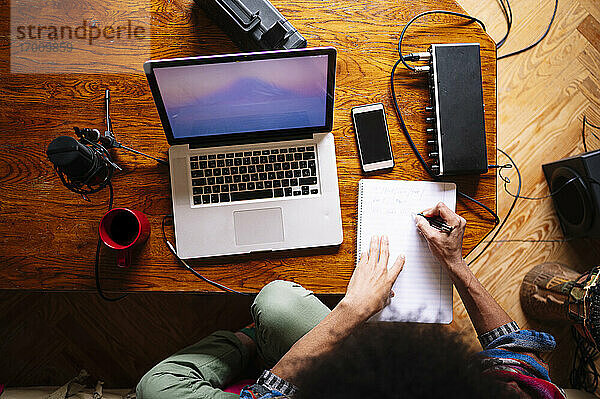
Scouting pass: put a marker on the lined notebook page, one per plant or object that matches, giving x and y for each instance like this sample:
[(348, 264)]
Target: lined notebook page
[(423, 291)]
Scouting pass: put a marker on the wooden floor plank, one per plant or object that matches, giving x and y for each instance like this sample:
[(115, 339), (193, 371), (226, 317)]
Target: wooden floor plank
[(530, 20), (592, 134), (590, 86), (591, 6), (590, 28)]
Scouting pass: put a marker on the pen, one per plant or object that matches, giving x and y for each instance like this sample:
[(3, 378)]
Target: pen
[(437, 223)]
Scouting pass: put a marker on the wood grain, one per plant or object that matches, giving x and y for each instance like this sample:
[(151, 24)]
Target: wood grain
[(590, 29), (542, 97), (49, 234)]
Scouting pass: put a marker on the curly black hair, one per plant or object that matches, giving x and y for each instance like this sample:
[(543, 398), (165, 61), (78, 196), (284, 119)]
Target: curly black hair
[(398, 360)]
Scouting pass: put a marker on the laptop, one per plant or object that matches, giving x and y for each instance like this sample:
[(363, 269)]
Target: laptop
[(252, 157)]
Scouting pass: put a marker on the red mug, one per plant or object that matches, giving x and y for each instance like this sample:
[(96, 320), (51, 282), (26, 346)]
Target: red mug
[(124, 229)]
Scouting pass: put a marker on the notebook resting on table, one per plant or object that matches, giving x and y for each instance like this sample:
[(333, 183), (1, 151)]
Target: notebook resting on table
[(423, 291)]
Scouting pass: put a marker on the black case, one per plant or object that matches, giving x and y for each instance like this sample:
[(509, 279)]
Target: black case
[(457, 100), (253, 24)]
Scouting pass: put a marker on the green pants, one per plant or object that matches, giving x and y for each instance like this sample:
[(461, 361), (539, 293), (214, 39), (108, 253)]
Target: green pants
[(283, 313)]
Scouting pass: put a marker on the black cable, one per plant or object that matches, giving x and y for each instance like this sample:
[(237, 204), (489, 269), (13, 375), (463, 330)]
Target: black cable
[(418, 154), (586, 122), (584, 373), (97, 261), (160, 161), (524, 240), (592, 125), (532, 45), (517, 196), (553, 193), (99, 175), (512, 206), (402, 58), (583, 135), (506, 10), (191, 269)]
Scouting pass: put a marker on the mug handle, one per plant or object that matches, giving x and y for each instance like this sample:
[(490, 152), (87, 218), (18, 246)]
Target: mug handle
[(124, 258)]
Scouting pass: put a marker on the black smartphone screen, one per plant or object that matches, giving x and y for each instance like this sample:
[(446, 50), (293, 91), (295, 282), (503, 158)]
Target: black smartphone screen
[(372, 134)]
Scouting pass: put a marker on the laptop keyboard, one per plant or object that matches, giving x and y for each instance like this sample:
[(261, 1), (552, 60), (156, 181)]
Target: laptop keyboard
[(239, 176)]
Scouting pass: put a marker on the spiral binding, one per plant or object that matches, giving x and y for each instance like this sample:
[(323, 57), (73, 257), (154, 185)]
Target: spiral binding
[(358, 230)]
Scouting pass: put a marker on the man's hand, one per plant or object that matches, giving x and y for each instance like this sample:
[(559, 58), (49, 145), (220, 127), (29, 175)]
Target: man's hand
[(370, 287), (484, 311), (447, 247)]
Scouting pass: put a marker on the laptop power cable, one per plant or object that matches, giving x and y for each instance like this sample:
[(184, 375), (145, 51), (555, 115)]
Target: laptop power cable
[(191, 269)]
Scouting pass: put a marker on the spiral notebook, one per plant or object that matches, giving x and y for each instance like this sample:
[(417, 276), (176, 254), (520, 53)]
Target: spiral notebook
[(423, 291)]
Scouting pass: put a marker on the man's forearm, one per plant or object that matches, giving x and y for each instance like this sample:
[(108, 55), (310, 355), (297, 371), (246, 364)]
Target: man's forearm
[(485, 313), (369, 289), (335, 327)]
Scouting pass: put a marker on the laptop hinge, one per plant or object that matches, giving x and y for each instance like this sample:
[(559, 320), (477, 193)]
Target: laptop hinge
[(250, 140)]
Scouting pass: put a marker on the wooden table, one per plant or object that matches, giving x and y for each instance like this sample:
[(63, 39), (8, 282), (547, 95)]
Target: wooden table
[(49, 234)]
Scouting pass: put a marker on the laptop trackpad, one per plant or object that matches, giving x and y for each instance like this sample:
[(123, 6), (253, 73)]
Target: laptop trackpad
[(258, 226)]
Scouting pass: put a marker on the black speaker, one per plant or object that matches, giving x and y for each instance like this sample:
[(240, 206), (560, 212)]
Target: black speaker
[(575, 182)]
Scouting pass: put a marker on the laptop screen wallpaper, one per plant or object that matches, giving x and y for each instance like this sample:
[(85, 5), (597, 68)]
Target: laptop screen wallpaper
[(246, 96)]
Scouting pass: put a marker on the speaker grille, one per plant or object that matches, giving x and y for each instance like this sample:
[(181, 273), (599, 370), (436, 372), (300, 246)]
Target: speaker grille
[(572, 199)]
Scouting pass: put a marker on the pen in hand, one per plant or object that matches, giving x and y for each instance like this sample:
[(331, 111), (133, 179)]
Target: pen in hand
[(437, 223)]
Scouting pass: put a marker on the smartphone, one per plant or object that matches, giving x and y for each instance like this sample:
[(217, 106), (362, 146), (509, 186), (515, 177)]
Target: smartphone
[(374, 147)]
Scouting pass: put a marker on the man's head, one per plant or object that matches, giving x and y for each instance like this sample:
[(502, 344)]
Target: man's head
[(398, 360)]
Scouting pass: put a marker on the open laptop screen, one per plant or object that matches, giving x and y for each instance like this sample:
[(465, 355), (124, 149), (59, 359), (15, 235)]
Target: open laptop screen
[(245, 96)]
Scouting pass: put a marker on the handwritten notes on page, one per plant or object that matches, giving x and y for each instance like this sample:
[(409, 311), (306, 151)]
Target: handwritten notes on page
[(423, 291)]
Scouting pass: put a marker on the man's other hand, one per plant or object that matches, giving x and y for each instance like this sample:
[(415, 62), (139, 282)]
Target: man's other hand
[(370, 287)]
